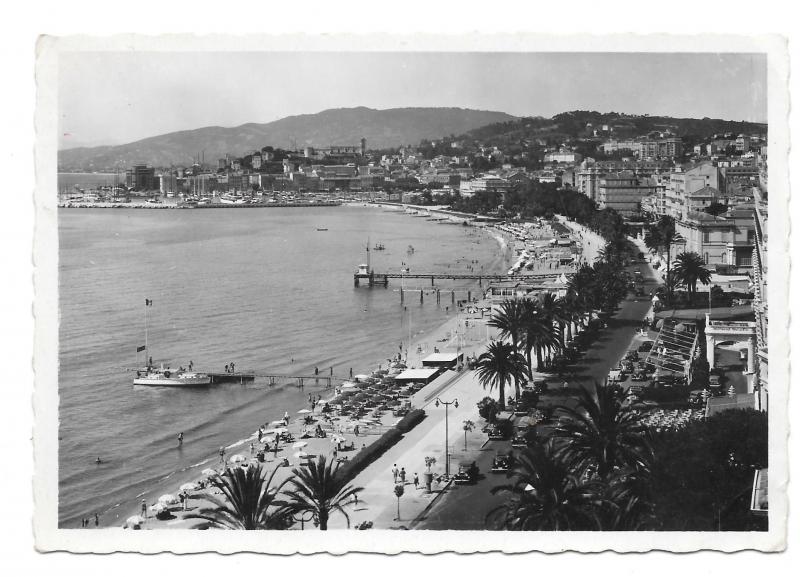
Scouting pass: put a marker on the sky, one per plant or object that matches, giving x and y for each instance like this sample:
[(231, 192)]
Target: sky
[(119, 97)]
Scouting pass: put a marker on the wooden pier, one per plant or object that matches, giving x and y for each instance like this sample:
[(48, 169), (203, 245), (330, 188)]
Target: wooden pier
[(275, 378), (372, 278), (240, 378)]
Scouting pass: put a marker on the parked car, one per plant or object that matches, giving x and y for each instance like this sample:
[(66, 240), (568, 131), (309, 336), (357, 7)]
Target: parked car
[(502, 463), (467, 472)]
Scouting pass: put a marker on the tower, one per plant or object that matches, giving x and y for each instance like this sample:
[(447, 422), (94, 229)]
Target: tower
[(363, 146)]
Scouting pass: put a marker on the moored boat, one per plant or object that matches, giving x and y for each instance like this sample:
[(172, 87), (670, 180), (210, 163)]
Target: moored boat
[(161, 377)]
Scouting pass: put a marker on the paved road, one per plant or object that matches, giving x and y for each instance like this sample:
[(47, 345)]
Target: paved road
[(466, 506)]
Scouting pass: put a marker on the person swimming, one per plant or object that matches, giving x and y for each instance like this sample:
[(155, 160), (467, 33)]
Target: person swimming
[(98, 460)]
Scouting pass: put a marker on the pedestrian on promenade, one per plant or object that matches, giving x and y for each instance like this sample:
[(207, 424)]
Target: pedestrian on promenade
[(180, 438), (395, 473), (403, 475), (416, 481), (222, 455), (144, 508)]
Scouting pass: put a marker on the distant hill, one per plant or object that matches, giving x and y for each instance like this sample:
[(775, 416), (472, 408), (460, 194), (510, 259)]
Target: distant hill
[(341, 126), (573, 124)]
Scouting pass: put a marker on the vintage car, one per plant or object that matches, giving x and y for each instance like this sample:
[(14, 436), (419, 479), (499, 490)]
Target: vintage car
[(502, 463), (520, 440), (467, 472)]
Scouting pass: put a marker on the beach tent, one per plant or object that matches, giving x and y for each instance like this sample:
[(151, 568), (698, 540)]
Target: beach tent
[(135, 520), (238, 458), (361, 377), (209, 472), (188, 487), (158, 508), (303, 412), (168, 499)]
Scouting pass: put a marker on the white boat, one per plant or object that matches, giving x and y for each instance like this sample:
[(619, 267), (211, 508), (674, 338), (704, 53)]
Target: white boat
[(161, 377), (231, 199), (152, 376)]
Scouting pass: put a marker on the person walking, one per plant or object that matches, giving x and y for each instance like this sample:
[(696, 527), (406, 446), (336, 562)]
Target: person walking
[(403, 475), (144, 508), (233, 368), (416, 481), (180, 438), (252, 449), (222, 455), (395, 473), (191, 364)]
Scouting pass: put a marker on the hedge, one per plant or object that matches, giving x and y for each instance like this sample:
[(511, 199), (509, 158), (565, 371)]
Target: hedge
[(411, 420), (369, 454)]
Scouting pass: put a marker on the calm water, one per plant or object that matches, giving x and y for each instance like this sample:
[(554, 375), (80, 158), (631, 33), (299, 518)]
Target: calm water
[(257, 287)]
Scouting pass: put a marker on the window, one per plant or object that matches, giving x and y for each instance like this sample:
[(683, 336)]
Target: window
[(744, 259), (705, 258), (705, 236)]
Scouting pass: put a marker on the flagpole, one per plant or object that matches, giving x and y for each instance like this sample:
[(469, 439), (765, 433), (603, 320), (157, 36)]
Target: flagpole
[(146, 350)]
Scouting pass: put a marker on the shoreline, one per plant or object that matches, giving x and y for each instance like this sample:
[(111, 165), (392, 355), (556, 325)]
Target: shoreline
[(424, 340)]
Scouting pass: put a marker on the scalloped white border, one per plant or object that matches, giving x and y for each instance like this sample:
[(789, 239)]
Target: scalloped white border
[(50, 538)]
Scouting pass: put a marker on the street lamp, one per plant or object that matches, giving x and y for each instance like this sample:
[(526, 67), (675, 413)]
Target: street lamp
[(446, 404)]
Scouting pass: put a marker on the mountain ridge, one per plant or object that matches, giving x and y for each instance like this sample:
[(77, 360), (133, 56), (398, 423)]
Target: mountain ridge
[(385, 128)]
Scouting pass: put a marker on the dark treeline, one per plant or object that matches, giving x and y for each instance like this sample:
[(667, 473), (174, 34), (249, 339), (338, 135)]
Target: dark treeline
[(543, 200)]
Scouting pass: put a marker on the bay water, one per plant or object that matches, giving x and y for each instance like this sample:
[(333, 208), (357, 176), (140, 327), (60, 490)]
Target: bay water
[(260, 287)]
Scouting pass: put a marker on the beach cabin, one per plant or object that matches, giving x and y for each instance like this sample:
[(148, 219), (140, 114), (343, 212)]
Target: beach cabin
[(425, 375), (443, 360)]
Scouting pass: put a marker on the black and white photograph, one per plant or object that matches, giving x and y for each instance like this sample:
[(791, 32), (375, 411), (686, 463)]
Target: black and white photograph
[(458, 298)]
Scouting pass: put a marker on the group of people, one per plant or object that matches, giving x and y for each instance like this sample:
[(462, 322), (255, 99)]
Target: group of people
[(229, 368), (399, 476)]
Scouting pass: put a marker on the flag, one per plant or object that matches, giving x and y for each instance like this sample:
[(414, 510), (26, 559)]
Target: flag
[(148, 302), (140, 349)]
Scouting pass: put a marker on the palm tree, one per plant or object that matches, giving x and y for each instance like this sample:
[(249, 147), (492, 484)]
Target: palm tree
[(629, 499), (499, 366), (249, 501), (510, 319), (600, 435), (690, 269), (582, 285), (659, 238), (573, 312), (539, 332), (551, 309), (321, 489), (545, 495)]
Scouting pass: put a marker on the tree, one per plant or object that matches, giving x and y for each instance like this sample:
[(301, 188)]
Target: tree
[(539, 332), (488, 409), (468, 426), (600, 435), (690, 269), (499, 366), (249, 501), (703, 477), (716, 209), (321, 489), (553, 313), (659, 238), (510, 320), (545, 495)]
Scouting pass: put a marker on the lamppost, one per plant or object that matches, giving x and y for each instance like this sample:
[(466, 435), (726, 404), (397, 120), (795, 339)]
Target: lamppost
[(302, 518), (446, 404)]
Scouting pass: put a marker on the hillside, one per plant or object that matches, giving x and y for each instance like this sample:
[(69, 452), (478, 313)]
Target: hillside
[(341, 126), (573, 124)]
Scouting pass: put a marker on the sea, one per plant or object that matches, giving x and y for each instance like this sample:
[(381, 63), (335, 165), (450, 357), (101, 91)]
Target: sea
[(262, 288)]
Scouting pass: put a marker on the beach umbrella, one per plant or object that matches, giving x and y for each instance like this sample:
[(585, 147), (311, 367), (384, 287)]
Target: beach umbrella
[(348, 385), (303, 412), (209, 472), (361, 377), (135, 520), (323, 402), (299, 445), (238, 458), (158, 508), (301, 455), (168, 499), (188, 487)]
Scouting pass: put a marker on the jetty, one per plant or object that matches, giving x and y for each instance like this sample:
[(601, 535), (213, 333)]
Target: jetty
[(370, 278)]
